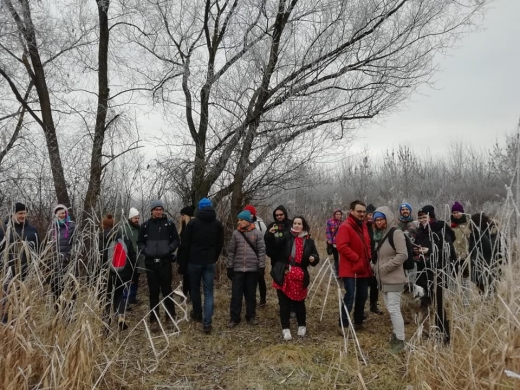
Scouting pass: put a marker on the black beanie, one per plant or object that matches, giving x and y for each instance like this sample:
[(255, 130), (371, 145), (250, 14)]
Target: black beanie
[(188, 210), (428, 209), (19, 207)]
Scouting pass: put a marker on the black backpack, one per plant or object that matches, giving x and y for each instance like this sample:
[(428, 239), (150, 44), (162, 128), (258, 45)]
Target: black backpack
[(409, 263)]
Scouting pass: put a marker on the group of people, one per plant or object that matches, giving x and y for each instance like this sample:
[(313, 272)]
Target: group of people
[(371, 246), (369, 249)]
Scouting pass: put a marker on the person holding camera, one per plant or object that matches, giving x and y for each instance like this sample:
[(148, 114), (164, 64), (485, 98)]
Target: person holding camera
[(158, 239)]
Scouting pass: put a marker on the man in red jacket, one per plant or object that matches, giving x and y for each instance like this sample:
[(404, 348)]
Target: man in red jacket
[(353, 244)]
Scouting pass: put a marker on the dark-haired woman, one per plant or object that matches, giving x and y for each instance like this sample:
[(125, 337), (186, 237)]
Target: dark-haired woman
[(297, 252)]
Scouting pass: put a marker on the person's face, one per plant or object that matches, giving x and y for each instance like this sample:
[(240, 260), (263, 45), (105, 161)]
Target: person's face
[(405, 212), (185, 218), (359, 212), (61, 214), (423, 219), (157, 212), (279, 215), (20, 216), (380, 223), (297, 225), (242, 223), (368, 217), (337, 215), (456, 215), (135, 220)]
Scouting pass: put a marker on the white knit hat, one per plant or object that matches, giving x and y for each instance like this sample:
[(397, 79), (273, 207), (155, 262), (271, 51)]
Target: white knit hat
[(133, 213)]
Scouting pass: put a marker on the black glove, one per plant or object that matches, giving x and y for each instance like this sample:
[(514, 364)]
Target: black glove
[(261, 273), (230, 273)]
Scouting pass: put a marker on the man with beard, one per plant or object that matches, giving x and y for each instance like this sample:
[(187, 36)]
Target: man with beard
[(158, 239), (409, 227), (353, 243), (131, 231)]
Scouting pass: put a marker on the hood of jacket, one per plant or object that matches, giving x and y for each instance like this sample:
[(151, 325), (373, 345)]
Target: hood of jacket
[(207, 214), (390, 218), (283, 209)]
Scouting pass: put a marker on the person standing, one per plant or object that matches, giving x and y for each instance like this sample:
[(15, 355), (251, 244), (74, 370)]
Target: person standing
[(118, 280), (260, 226), (18, 239), (297, 252), (62, 236), (158, 239), (373, 296), (461, 227), (390, 272), (204, 242), (131, 231), (245, 263), (182, 254), (331, 231), (409, 227), (353, 243)]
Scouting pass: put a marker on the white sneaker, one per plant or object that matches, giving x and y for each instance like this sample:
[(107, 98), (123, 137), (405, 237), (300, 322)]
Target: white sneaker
[(286, 334), (302, 330)]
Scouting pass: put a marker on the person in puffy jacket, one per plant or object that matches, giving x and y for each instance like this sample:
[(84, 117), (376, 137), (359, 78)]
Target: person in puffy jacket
[(158, 240), (245, 263), (62, 236), (297, 251), (389, 270), (353, 243)]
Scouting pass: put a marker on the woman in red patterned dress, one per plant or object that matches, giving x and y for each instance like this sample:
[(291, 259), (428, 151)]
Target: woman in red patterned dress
[(299, 253)]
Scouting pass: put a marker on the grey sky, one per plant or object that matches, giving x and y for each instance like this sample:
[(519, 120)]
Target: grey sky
[(476, 96)]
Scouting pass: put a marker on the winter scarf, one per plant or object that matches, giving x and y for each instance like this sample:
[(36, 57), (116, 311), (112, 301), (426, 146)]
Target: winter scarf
[(248, 228), (456, 222), (299, 242)]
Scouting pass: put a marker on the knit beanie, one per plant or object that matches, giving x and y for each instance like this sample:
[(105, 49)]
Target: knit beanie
[(245, 215), (156, 203), (251, 209), (19, 207), (133, 213), (58, 208), (378, 214), (371, 208), (457, 207), (407, 205), (108, 221), (428, 209), (188, 210), (204, 202)]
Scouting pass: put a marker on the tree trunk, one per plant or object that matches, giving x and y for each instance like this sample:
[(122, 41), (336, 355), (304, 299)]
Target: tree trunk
[(96, 169)]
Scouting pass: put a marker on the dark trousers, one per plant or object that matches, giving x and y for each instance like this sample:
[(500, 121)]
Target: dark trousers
[(186, 287), (335, 254), (356, 293), (244, 283), (435, 292), (130, 294), (286, 306), (374, 292), (115, 287), (262, 288), (159, 277)]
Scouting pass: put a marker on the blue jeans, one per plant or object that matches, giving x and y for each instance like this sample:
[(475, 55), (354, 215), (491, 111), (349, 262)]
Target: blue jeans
[(206, 273), (356, 293)]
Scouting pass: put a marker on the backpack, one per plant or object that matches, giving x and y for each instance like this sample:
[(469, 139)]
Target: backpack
[(117, 255), (409, 263)]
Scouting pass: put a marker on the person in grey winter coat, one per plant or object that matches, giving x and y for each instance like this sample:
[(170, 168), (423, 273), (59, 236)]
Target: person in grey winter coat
[(389, 271), (245, 263), (62, 238)]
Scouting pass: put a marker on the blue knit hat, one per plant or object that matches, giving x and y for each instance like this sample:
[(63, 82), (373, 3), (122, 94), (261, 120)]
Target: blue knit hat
[(245, 215), (204, 202), (407, 205), (378, 214)]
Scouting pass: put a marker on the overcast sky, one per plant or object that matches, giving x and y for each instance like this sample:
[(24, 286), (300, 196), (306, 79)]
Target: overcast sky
[(476, 96)]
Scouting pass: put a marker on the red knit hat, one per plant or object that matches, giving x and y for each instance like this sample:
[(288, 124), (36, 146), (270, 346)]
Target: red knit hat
[(251, 209)]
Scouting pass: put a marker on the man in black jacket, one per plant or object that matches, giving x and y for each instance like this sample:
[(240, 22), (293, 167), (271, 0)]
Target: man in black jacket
[(203, 241), (158, 239), (16, 236)]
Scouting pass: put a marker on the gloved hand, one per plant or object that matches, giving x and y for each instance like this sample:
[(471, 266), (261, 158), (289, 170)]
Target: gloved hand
[(230, 273), (261, 273)]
